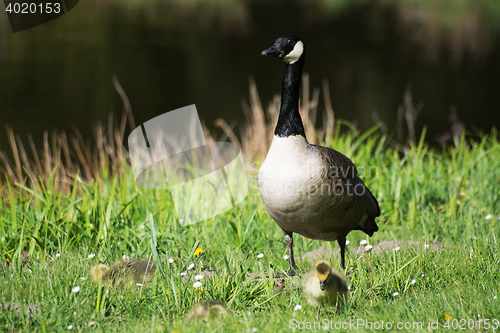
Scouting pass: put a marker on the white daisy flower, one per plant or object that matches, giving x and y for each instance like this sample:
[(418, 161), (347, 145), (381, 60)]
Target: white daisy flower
[(58, 255), (183, 273), (70, 327), (395, 293), (368, 247), (138, 284), (254, 329), (346, 242), (191, 266), (286, 257), (83, 278), (260, 255), (197, 284), (488, 217), (297, 307), (396, 248), (92, 255), (125, 257), (198, 277), (363, 242), (426, 246), (170, 260), (413, 281), (76, 289)]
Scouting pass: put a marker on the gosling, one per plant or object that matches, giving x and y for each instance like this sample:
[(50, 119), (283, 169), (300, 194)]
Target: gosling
[(325, 286), (125, 273), (211, 309)]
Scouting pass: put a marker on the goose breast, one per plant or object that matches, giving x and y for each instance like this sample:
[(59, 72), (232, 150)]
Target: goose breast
[(311, 190)]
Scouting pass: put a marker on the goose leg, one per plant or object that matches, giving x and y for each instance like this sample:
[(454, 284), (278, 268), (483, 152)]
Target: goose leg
[(341, 242), (289, 246)]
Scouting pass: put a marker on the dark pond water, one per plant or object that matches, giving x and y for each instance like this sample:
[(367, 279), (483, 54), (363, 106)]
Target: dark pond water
[(168, 55)]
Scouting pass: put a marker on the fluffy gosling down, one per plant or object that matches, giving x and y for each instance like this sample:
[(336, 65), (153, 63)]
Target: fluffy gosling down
[(324, 286), (126, 272), (211, 309), (307, 189)]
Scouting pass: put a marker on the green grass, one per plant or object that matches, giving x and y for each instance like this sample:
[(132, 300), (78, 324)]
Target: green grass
[(425, 195)]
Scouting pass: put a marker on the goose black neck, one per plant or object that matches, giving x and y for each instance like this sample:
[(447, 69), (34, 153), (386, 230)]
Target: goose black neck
[(289, 121)]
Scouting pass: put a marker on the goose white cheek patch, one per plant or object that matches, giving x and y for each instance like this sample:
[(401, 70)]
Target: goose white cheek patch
[(297, 51)]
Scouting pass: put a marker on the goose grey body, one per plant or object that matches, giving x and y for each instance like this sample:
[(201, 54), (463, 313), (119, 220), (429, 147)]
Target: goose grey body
[(312, 190), (307, 189)]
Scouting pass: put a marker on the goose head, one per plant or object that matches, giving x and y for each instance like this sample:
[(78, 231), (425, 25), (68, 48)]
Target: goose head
[(289, 48), (322, 269), (98, 271)]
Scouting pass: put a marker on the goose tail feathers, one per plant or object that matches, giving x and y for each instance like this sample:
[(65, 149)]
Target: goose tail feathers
[(368, 226)]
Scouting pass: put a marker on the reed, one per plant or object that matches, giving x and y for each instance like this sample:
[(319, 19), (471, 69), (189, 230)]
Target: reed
[(65, 157), (68, 160)]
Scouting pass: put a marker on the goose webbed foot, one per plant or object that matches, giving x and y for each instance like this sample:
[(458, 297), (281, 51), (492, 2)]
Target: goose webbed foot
[(289, 273)]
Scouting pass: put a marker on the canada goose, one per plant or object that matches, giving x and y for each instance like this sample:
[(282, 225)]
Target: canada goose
[(126, 272), (207, 310), (324, 286), (307, 189)]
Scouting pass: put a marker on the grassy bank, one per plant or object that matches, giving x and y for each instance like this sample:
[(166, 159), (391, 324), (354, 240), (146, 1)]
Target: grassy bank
[(49, 238)]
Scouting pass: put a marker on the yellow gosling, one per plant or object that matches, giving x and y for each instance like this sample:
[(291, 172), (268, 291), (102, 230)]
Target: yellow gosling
[(325, 286), (207, 310), (127, 272)]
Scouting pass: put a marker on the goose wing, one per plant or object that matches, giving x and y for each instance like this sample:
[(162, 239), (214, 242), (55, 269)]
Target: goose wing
[(341, 168)]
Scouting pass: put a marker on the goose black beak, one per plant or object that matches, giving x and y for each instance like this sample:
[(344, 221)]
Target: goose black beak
[(273, 50), (322, 285)]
